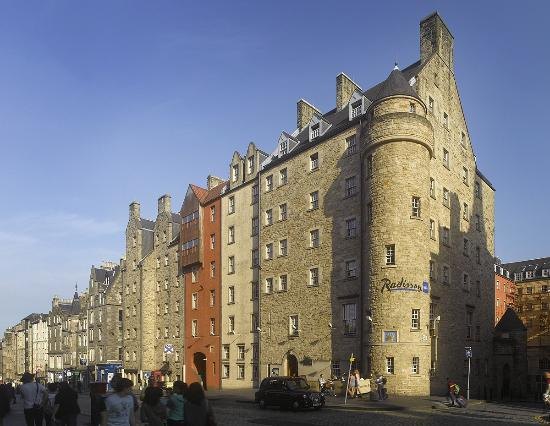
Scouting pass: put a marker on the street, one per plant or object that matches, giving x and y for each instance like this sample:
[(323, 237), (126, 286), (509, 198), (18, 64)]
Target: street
[(233, 408)]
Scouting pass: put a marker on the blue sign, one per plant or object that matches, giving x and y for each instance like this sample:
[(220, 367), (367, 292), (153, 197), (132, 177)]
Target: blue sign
[(425, 287), (168, 348)]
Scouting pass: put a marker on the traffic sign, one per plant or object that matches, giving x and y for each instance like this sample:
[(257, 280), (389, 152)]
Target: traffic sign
[(468, 351), (168, 348)]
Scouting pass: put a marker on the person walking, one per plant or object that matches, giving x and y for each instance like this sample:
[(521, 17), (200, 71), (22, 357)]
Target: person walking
[(4, 403), (118, 408), (33, 394), (66, 408), (380, 382), (357, 384), (153, 412), (176, 404), (50, 404), (197, 409)]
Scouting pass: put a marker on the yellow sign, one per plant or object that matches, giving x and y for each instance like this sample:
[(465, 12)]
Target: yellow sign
[(351, 358)]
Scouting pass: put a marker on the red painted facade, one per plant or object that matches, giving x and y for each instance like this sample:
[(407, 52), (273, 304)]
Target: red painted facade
[(505, 292), (200, 264)]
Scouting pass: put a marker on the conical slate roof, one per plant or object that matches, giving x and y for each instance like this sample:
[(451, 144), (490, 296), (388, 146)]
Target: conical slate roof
[(395, 84), (509, 322)]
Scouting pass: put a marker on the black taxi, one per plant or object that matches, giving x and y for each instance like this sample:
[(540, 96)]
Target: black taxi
[(288, 392)]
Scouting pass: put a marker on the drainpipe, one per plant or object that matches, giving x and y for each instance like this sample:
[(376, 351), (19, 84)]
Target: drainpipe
[(259, 333), (361, 257)]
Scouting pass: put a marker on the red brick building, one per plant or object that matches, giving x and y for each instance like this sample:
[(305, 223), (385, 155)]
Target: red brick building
[(200, 263), (505, 292)]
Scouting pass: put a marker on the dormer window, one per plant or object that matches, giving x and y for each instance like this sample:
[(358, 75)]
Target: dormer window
[(529, 274), (356, 109), (546, 272), (235, 173), (314, 131), (250, 165), (412, 108), (283, 147)]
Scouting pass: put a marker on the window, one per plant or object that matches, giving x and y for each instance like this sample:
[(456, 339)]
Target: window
[(212, 297), (432, 269), (335, 368), (194, 300), (412, 107), (231, 235), (466, 282), (212, 213), (194, 328), (351, 228), (231, 205), (283, 283), (415, 204), (351, 186), (314, 131), (165, 332), (293, 324), (225, 371), (255, 225), (212, 269), (389, 336), (255, 290), (469, 321), (445, 235), (231, 295), (269, 183), (369, 213), (415, 319), (528, 274), (432, 188), (351, 145), (356, 109), (463, 139), (231, 324), (432, 229), (351, 269), (231, 265), (235, 173), (240, 372), (478, 223), (349, 317), (250, 165), (165, 308), (212, 326), (283, 212), (254, 194), (445, 120), (134, 286), (466, 247), (314, 200), (529, 290), (283, 248), (390, 254), (177, 306), (269, 285), (477, 189), (517, 276), (283, 177), (314, 238), (314, 161), (255, 258), (465, 176), (446, 198), (445, 274), (445, 158), (254, 322), (478, 255), (314, 276), (225, 352), (269, 217), (369, 166), (389, 365), (465, 210), (430, 104), (283, 147), (269, 251)]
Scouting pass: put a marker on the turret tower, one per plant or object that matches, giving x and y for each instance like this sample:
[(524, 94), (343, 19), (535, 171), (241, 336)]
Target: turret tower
[(397, 148)]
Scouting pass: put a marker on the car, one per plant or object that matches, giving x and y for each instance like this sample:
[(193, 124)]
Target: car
[(288, 392)]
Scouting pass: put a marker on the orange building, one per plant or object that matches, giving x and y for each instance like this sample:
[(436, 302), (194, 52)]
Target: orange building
[(505, 292), (200, 262)]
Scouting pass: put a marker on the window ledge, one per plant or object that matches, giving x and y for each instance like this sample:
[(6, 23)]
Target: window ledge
[(313, 209), (345, 197), (348, 237), (389, 266), (416, 217), (281, 255), (229, 243), (312, 248), (316, 169), (433, 239), (312, 285)]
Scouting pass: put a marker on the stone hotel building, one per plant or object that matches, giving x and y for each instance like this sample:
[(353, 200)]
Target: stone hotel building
[(376, 234)]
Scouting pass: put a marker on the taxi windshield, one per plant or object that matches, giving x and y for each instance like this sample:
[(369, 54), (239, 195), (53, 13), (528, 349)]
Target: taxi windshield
[(297, 384)]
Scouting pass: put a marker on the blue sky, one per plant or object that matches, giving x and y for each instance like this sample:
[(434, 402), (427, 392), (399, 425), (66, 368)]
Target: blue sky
[(106, 102)]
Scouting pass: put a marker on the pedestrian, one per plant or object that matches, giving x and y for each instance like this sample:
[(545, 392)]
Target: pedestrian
[(176, 404), (357, 382), (96, 402), (119, 409), (11, 393), (351, 385), (197, 409), (33, 394), (451, 386), (153, 412), (4, 403), (66, 408), (49, 405), (380, 382)]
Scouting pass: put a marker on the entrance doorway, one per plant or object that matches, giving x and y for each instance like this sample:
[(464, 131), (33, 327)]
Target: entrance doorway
[(291, 365), (506, 377), (199, 359)]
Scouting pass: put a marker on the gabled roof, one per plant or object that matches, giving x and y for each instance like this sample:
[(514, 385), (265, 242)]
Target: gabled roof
[(509, 322), (536, 265), (199, 192), (214, 193)]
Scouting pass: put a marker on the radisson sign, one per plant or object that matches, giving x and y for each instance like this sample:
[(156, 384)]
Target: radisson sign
[(404, 285)]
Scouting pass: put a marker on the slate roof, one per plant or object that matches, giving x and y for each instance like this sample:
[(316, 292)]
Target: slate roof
[(214, 193), (395, 84), (510, 322), (147, 224), (535, 265)]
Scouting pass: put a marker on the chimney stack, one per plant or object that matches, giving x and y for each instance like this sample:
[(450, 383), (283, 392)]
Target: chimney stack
[(164, 204), (305, 112), (213, 181), (134, 210), (345, 87), (435, 37)]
